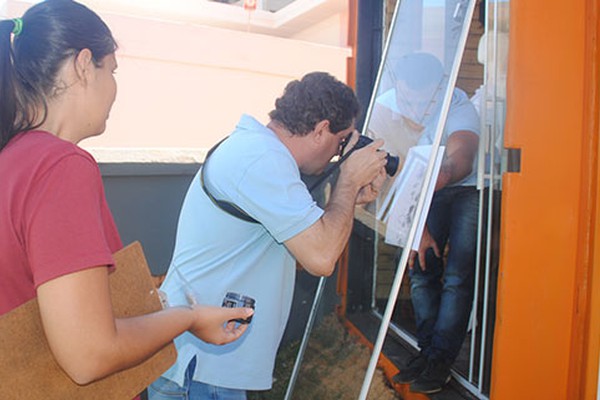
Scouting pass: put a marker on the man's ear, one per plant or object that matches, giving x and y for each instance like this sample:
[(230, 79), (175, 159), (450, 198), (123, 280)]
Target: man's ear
[(321, 129), (84, 64)]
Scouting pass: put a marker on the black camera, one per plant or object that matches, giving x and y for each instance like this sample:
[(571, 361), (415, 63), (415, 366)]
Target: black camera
[(391, 167), (233, 300)]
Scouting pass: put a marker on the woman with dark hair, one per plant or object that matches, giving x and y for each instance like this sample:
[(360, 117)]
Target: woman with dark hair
[(57, 235)]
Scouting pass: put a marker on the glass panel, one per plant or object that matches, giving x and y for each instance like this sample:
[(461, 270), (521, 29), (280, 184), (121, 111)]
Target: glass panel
[(405, 112), (412, 89), (490, 100)]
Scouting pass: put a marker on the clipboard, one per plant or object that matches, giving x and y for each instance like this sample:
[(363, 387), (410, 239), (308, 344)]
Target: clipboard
[(28, 369)]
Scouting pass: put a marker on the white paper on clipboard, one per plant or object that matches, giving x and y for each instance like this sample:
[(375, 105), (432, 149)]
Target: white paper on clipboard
[(405, 191)]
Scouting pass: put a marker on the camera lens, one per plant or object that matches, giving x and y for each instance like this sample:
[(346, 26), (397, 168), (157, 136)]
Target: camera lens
[(248, 301), (233, 300), (392, 164)]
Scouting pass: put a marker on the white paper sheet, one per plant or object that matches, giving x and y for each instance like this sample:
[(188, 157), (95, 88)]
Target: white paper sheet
[(405, 191)]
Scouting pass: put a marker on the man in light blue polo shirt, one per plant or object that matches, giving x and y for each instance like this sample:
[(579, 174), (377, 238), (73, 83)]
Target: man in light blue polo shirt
[(257, 169)]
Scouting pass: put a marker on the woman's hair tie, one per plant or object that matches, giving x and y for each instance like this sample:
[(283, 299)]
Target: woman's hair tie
[(18, 26)]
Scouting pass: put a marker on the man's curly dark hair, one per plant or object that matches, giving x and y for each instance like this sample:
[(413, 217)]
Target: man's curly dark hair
[(316, 97)]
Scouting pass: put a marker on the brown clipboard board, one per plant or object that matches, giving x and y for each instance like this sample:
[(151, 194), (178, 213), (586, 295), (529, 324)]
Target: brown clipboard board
[(28, 369)]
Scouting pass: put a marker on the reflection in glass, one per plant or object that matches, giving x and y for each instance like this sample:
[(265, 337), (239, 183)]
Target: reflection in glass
[(406, 107), (405, 111)]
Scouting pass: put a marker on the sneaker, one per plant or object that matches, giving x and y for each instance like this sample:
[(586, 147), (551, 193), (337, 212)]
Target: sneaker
[(413, 368), (433, 379)]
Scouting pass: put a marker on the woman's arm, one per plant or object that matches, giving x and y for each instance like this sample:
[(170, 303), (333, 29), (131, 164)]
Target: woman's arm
[(89, 343)]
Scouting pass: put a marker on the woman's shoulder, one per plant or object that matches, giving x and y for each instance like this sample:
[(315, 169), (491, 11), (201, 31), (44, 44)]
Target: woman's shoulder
[(44, 145), (38, 152)]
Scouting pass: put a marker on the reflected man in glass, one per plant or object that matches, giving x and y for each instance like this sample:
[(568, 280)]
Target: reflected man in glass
[(441, 282)]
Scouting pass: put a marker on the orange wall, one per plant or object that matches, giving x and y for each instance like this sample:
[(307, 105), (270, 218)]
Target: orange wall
[(587, 382), (542, 217)]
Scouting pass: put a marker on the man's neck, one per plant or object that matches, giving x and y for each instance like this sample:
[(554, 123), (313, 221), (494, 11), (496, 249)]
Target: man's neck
[(294, 143)]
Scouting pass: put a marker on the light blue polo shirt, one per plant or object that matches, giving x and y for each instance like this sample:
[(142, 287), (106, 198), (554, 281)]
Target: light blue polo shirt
[(217, 253), (462, 115)]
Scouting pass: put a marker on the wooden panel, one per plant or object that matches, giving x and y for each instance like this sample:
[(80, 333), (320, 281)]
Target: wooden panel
[(470, 74), (28, 364)]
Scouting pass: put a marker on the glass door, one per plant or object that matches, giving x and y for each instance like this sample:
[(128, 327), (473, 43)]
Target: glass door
[(414, 93)]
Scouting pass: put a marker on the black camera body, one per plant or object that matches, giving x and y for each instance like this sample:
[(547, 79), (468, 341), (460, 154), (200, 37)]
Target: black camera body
[(391, 167), (234, 300)]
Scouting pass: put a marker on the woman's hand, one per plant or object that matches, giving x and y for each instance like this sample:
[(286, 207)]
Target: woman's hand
[(89, 343), (215, 324)]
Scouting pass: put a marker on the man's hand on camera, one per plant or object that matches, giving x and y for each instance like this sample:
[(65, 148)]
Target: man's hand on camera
[(371, 191), (364, 165)]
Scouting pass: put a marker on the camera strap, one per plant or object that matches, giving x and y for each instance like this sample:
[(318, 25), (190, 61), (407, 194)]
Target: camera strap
[(228, 207), (236, 211)]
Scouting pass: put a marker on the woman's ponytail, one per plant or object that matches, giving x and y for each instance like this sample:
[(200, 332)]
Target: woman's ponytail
[(8, 104)]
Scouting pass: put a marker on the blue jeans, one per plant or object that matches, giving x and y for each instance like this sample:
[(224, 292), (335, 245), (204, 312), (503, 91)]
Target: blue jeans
[(442, 296), (165, 389)]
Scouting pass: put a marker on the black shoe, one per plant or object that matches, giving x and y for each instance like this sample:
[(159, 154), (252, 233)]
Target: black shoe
[(433, 379), (413, 368)]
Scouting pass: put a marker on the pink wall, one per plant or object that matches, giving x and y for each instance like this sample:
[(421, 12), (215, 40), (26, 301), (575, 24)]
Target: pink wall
[(183, 85)]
